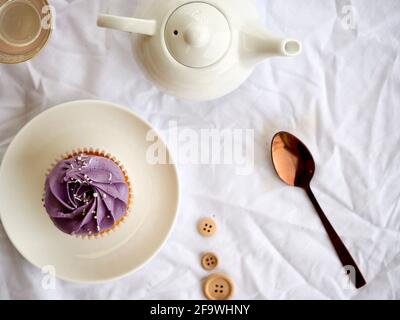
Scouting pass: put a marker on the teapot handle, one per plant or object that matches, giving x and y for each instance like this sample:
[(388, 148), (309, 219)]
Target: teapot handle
[(141, 26)]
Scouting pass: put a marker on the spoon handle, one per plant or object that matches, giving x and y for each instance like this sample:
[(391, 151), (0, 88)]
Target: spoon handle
[(344, 255)]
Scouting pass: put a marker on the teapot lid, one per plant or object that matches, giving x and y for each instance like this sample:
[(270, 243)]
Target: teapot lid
[(197, 35)]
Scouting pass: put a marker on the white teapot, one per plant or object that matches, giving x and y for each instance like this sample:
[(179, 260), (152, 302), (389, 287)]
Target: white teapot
[(200, 50)]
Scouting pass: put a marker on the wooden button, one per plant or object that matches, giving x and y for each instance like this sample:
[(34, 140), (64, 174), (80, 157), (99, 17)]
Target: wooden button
[(207, 227), (209, 261), (218, 287)]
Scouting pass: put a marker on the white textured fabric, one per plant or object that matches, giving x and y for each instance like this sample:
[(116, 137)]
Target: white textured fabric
[(341, 96)]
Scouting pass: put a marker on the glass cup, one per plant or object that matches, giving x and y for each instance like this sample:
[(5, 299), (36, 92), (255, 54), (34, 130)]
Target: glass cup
[(24, 29)]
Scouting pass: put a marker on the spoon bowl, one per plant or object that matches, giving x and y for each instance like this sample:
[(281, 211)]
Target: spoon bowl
[(295, 166), (292, 160)]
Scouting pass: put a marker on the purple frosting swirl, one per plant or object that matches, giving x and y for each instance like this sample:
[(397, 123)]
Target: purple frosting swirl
[(86, 195)]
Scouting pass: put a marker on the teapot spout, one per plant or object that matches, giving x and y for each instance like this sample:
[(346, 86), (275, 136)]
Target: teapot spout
[(256, 47)]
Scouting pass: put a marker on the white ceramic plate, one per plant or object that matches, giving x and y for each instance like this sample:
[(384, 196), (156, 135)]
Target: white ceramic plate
[(22, 176)]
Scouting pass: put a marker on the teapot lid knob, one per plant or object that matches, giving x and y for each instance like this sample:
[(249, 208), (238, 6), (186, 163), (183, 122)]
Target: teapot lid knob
[(197, 35)]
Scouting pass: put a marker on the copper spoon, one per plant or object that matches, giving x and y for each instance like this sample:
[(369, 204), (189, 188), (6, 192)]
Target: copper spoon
[(295, 165)]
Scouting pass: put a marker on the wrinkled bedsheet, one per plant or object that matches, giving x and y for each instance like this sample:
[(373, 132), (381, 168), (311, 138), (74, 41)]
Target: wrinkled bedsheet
[(341, 96)]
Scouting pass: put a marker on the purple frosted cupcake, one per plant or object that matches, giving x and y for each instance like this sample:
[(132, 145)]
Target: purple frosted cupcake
[(88, 193)]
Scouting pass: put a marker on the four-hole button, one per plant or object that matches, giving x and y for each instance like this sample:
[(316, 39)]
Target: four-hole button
[(218, 287), (207, 227), (209, 261)]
